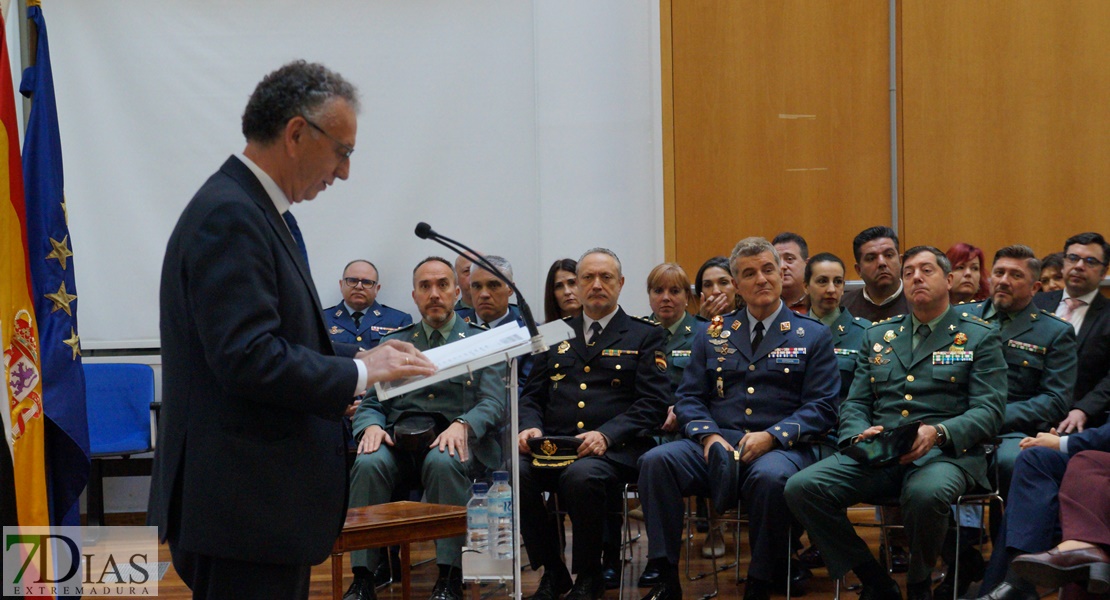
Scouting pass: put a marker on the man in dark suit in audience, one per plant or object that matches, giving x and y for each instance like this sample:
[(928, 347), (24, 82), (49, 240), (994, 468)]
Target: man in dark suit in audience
[(250, 473), (1080, 303), (607, 387), (1031, 522)]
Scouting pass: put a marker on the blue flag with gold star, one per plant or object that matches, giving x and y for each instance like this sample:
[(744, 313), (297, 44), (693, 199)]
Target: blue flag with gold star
[(50, 253)]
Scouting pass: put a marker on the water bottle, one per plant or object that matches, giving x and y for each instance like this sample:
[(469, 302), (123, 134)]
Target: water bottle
[(477, 519), (501, 516)]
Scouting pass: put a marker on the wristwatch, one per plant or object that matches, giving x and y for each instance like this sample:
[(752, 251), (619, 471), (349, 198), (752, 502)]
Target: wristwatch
[(461, 420), (942, 437)]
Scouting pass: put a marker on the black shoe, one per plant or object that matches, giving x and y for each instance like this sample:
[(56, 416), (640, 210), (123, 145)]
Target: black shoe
[(811, 558), (651, 577), (612, 577), (670, 590), (553, 584), (972, 568), (920, 591), (757, 589), (447, 588), (1006, 591), (361, 589), (899, 559), (886, 591), (587, 586)]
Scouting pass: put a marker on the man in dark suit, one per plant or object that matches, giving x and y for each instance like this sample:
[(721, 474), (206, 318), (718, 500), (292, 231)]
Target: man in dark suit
[(760, 380), (608, 387), (1080, 303), (360, 319), (1031, 523), (249, 476)]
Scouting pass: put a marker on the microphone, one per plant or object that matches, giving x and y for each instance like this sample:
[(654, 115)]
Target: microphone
[(424, 231)]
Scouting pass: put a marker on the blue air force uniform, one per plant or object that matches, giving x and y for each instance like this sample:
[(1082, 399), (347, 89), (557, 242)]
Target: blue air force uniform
[(787, 387), (1040, 351), (378, 320)]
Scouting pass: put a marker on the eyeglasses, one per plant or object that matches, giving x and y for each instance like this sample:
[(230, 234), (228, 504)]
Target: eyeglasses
[(1089, 260), (345, 152), (355, 281)]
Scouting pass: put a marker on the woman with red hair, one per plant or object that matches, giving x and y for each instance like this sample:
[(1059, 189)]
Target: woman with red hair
[(969, 269)]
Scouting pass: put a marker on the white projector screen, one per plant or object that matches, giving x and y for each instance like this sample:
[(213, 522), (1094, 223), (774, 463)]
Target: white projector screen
[(527, 129)]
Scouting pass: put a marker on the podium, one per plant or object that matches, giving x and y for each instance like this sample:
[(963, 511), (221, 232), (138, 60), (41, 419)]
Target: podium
[(504, 344)]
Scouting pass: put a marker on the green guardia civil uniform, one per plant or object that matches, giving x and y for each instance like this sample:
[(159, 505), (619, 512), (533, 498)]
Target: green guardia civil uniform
[(677, 347), (1040, 350), (847, 334), (955, 379), (480, 401)]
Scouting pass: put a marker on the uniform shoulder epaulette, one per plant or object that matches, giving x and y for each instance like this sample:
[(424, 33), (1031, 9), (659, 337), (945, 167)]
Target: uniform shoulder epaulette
[(860, 322), (807, 317), (1053, 315), (477, 326), (974, 319), (873, 323), (700, 319), (647, 321), (400, 330)]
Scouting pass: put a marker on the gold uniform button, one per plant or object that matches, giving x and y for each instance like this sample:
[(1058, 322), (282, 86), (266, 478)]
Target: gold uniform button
[(581, 405), (618, 367), (751, 390), (909, 377), (431, 396), (952, 379), (872, 380), (556, 366), (718, 369), (586, 369), (358, 339), (1025, 363), (909, 396), (581, 425), (581, 386), (747, 411), (786, 370), (751, 367), (469, 382), (905, 413)]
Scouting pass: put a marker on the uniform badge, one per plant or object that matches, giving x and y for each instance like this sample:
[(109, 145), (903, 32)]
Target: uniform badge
[(558, 376), (961, 338), (462, 334), (725, 350), (877, 347), (879, 360), (953, 327), (377, 313), (334, 329), (901, 329), (889, 336), (725, 335), (548, 448), (840, 328), (339, 313), (563, 347), (715, 326), (720, 387), (688, 330), (800, 331), (717, 341), (736, 325), (660, 361), (784, 326)]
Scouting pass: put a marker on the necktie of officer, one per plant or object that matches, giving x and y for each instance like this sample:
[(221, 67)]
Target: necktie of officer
[(358, 318), (595, 330), (295, 229), (436, 339), (758, 336), (921, 335)]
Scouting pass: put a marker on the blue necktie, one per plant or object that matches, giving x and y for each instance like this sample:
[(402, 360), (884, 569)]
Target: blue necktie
[(296, 231)]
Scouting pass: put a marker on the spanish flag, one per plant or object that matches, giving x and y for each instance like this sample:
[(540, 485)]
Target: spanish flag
[(22, 360)]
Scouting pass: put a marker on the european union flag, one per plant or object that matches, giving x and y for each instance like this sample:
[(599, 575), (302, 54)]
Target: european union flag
[(50, 253)]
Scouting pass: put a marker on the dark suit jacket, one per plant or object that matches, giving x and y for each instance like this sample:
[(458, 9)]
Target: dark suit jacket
[(1092, 381), (250, 463), (617, 386)]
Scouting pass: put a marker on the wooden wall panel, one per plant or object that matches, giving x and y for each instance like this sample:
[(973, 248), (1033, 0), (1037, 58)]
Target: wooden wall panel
[(1006, 132), (780, 122)]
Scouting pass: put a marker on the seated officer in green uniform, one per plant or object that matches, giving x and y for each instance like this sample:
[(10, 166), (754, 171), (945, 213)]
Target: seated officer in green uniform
[(824, 278), (934, 366), (1040, 351), (474, 408)]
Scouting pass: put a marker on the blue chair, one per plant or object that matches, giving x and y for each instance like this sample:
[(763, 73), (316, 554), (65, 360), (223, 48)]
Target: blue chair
[(119, 399)]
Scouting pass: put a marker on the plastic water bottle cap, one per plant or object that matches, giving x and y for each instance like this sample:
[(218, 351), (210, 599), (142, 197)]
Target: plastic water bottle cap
[(500, 475), (480, 488)]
